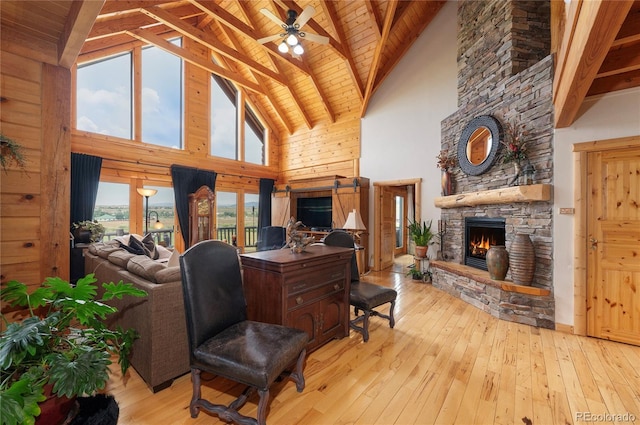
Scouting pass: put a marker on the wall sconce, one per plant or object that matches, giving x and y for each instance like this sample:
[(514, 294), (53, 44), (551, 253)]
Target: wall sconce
[(146, 193)]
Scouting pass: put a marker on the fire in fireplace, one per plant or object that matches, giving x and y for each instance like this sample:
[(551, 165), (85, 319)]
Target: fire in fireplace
[(480, 234)]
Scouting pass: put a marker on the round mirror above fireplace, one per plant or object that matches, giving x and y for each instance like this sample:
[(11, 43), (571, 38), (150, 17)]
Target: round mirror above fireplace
[(478, 145)]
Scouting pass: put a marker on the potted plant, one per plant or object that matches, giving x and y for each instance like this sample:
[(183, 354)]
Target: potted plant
[(61, 346), (415, 273), (87, 231), (10, 151), (421, 235)]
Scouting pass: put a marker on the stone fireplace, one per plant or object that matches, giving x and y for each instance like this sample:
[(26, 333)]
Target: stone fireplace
[(504, 70), (480, 233)]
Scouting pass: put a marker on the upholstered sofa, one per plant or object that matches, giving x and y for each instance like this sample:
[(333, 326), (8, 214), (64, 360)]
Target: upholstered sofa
[(161, 353)]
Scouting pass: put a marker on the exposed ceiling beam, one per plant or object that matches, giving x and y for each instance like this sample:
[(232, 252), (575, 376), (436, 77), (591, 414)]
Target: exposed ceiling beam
[(595, 28), (373, 70), (209, 41), (82, 15), (330, 10), (234, 23), (376, 19), (188, 56)]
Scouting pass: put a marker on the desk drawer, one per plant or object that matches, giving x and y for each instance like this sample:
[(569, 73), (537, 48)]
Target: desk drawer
[(309, 279), (315, 293)]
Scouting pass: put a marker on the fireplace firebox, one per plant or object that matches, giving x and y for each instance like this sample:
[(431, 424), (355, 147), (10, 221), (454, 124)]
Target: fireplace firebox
[(480, 234)]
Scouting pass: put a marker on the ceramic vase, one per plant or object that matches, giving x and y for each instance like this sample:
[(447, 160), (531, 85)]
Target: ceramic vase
[(447, 183), (522, 260), (497, 262)]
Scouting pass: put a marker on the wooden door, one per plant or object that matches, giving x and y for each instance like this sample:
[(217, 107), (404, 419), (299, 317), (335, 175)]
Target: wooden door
[(613, 259), (388, 227)]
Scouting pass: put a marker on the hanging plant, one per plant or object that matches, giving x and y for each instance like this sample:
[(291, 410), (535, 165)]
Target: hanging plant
[(10, 151)]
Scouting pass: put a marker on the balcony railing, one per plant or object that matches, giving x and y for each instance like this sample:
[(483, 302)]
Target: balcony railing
[(165, 237)]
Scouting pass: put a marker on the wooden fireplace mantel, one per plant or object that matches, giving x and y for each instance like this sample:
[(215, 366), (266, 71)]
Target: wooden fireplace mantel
[(507, 195)]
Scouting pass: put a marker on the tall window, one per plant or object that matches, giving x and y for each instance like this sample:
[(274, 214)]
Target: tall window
[(161, 215), (227, 216), (224, 125), (253, 138), (162, 97), (112, 208), (250, 221), (224, 136), (103, 102)]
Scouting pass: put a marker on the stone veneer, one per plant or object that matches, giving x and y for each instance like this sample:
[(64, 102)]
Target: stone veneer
[(504, 70)]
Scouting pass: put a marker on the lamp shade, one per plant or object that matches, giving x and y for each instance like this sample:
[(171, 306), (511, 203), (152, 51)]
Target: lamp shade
[(146, 192), (354, 221)]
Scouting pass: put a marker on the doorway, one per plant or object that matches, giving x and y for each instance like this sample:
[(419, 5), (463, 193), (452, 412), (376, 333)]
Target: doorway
[(394, 202), (608, 237)]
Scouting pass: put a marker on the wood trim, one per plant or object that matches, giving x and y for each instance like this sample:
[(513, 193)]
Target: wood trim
[(580, 244), (567, 329), (600, 145)]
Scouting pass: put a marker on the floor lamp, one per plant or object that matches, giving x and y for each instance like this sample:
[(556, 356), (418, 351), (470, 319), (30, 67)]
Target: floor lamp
[(146, 193)]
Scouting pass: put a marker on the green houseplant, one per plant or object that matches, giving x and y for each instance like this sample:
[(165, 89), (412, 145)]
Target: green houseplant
[(62, 343), (421, 235), (10, 151), (95, 229)]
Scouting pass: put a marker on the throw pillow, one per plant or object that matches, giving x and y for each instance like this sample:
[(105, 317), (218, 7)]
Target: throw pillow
[(150, 247), (169, 274), (134, 246), (174, 260)]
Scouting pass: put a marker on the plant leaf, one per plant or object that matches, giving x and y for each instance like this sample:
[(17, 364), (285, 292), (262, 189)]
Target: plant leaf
[(117, 290), (86, 373), (19, 402), (21, 339)]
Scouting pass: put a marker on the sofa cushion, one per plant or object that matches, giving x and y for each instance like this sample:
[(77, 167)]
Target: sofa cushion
[(168, 274), (144, 267), (103, 251), (165, 253), (120, 257)]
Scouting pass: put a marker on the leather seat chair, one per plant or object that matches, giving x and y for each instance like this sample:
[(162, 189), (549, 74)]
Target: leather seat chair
[(364, 296), (221, 339)]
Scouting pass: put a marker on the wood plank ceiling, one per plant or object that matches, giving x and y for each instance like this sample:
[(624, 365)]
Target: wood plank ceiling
[(367, 39)]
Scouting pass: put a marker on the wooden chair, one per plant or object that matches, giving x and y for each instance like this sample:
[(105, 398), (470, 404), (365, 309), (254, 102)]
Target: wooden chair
[(364, 296), (221, 339)]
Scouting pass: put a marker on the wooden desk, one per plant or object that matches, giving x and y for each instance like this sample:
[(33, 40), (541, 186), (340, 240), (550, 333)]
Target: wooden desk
[(308, 291)]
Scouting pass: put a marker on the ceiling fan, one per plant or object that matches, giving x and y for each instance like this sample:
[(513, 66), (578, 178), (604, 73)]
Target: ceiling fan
[(292, 35)]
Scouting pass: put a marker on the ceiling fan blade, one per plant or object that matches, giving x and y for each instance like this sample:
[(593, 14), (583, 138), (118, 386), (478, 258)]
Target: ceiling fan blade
[(264, 40), (304, 17), (274, 18), (320, 39)]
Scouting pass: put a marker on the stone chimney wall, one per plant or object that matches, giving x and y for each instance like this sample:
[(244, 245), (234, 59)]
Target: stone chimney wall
[(505, 70)]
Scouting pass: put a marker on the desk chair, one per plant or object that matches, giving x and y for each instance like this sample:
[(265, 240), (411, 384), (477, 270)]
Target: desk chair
[(221, 339), (364, 296)]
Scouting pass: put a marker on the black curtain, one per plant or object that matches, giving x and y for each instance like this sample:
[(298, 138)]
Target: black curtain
[(264, 204), (85, 177), (187, 180)]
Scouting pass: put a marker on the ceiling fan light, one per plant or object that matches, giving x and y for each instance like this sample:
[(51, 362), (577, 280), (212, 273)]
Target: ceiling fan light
[(298, 50), (292, 40), (283, 48)]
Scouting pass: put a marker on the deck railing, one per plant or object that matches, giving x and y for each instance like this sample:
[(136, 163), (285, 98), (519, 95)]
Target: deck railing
[(165, 237)]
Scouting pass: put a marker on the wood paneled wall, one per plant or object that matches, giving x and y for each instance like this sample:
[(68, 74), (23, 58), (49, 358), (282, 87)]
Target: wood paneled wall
[(35, 199), (325, 150)]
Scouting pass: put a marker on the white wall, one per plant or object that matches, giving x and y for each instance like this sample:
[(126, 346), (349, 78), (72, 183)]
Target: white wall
[(604, 117), (401, 130)]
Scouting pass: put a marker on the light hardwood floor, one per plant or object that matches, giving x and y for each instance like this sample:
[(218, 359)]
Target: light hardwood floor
[(445, 362)]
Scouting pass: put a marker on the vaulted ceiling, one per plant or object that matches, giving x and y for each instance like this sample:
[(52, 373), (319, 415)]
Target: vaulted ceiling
[(367, 38)]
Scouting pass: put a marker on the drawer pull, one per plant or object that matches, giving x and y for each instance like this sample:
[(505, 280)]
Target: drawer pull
[(336, 286), (299, 300)]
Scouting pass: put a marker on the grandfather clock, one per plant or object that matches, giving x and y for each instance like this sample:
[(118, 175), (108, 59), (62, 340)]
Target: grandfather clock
[(201, 215)]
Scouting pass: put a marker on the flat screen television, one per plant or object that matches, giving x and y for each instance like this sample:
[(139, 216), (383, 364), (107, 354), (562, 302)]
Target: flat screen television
[(315, 213)]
